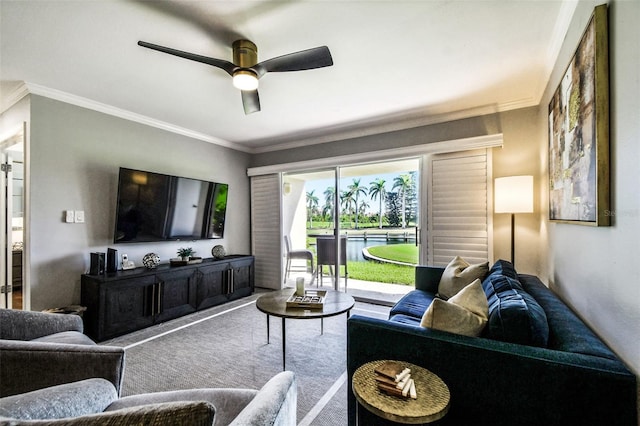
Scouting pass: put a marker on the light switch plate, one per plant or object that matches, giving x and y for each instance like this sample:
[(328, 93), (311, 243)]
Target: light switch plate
[(69, 217), (79, 214)]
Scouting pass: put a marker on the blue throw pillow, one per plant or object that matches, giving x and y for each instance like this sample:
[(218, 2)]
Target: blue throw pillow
[(503, 267), (413, 304), (514, 315)]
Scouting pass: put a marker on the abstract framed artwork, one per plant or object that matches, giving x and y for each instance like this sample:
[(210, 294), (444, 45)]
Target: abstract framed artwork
[(579, 132)]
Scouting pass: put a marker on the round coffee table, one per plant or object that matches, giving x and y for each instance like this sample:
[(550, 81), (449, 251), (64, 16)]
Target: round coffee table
[(275, 303), (431, 405)]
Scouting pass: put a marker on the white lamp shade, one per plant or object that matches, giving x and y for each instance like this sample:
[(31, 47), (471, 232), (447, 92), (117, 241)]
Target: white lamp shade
[(514, 194)]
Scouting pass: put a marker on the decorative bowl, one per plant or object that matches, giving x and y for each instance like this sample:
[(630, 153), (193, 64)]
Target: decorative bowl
[(151, 260), (218, 252)]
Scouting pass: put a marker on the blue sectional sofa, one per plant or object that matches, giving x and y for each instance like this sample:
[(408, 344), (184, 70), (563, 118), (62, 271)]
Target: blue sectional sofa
[(536, 362)]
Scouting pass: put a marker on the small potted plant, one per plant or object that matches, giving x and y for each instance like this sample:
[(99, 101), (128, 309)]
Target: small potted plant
[(186, 253)]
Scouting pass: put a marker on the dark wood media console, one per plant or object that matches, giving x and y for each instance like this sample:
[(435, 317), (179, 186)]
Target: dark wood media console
[(124, 301)]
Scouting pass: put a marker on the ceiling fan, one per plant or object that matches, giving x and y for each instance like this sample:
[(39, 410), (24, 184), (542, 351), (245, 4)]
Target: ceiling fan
[(246, 70)]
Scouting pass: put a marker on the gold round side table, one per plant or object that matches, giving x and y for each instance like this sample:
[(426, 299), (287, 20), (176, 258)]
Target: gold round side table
[(431, 404)]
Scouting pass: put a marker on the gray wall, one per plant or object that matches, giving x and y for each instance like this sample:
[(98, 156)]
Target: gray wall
[(75, 157), (594, 269), (459, 129)]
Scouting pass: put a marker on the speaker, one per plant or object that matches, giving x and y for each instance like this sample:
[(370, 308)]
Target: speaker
[(97, 264), (112, 260)]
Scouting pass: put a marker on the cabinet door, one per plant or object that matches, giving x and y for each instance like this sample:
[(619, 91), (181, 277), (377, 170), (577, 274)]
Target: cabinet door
[(242, 277), (176, 294), (126, 305), (212, 285)]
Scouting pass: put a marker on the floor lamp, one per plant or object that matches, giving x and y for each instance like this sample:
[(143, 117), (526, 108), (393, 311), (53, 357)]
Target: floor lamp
[(513, 194)]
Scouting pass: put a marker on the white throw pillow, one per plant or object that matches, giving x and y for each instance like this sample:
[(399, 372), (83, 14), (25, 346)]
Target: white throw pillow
[(465, 313), (458, 274)]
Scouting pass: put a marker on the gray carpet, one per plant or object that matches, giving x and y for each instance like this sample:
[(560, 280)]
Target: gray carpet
[(226, 346)]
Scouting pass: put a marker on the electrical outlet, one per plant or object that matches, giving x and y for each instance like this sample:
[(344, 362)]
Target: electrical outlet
[(69, 216), (79, 216)]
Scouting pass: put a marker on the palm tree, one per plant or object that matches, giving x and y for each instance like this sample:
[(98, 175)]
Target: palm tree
[(364, 205), (377, 190), (329, 198), (355, 189), (403, 183), (347, 200), (312, 203)]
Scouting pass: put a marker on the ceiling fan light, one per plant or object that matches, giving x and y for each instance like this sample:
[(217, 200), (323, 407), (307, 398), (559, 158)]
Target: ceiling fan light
[(245, 80)]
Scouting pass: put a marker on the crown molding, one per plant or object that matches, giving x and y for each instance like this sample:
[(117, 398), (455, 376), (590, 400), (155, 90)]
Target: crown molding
[(13, 97), (36, 89)]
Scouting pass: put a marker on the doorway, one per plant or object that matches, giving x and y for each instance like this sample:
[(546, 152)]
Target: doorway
[(12, 216), (374, 208)]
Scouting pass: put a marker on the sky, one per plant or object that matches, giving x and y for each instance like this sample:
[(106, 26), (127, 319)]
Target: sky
[(322, 184)]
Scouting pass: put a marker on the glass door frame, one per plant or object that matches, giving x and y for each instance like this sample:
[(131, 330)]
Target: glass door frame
[(6, 266), (410, 151), (17, 138), (336, 170)]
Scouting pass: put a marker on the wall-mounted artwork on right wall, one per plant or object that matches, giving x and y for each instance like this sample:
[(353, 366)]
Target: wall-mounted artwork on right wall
[(579, 132)]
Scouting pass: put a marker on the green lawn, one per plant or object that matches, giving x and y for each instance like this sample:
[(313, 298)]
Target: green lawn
[(406, 253), (382, 272), (385, 272)]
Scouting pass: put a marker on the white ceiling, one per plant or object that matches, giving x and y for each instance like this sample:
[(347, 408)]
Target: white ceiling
[(397, 63)]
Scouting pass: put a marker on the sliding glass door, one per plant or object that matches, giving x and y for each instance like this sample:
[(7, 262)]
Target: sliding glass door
[(359, 221), (444, 208)]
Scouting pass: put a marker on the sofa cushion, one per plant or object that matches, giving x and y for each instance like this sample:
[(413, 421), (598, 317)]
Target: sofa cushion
[(406, 319), (567, 332), (458, 274), (465, 313), (412, 304), (514, 315)]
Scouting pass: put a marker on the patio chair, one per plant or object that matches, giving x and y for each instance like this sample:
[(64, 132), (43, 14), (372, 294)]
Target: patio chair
[(304, 254), (326, 247)]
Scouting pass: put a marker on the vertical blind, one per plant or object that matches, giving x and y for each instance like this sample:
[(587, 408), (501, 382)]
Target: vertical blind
[(266, 238), (459, 223)]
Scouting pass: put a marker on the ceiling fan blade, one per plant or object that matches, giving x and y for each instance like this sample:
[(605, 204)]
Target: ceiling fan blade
[(219, 63), (317, 57), (250, 101)]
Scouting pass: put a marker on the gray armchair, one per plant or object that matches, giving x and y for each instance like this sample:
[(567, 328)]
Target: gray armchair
[(39, 350), (95, 401)]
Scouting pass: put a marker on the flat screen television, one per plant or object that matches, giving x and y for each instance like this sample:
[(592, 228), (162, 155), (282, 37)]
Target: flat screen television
[(158, 207)]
